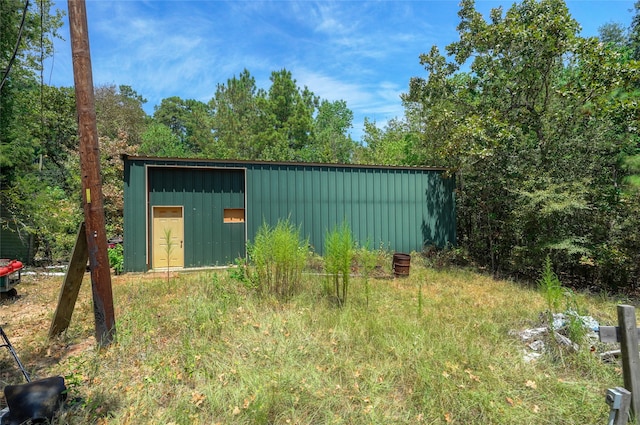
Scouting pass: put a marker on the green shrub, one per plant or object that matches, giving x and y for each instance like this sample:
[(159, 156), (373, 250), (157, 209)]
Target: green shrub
[(240, 272), (278, 256), (116, 258), (550, 286), (339, 251)]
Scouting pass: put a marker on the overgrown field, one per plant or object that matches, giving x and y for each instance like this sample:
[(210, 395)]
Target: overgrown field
[(203, 348)]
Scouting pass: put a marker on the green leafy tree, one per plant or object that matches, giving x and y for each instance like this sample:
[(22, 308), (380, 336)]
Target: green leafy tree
[(283, 123), (634, 32), (614, 34), (34, 39), (29, 158), (287, 118), (395, 144), (331, 141), (535, 129), (158, 140), (235, 114), (119, 113), (189, 120)]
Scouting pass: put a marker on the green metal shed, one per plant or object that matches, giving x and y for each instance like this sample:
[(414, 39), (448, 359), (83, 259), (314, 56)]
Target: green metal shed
[(199, 213)]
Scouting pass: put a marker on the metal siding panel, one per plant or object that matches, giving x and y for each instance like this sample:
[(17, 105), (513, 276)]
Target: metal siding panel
[(370, 208), (405, 228), (339, 197), (402, 226), (252, 206), (381, 230), (332, 207), (351, 202), (393, 202), (317, 229), (255, 203), (190, 184), (207, 230), (204, 230), (134, 218), (236, 200), (354, 205), (221, 234), (309, 196), (270, 178), (276, 196), (234, 188), (185, 185), (387, 199), (365, 211), (414, 194), (284, 209), (298, 205), (256, 193), (363, 227)]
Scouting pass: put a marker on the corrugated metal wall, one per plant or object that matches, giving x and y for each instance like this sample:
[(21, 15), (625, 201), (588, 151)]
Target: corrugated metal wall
[(204, 193), (400, 209)]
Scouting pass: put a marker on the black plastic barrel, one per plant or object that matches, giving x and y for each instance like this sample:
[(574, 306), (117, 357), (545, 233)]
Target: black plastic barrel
[(401, 264)]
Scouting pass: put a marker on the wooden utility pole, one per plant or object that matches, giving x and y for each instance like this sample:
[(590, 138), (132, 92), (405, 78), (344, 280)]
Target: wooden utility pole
[(90, 174)]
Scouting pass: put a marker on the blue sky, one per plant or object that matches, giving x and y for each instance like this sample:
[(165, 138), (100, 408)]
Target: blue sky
[(362, 52)]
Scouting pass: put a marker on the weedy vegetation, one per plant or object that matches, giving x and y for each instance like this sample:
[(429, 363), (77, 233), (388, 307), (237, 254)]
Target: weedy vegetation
[(116, 258), (278, 256), (169, 246), (212, 349), (339, 251)]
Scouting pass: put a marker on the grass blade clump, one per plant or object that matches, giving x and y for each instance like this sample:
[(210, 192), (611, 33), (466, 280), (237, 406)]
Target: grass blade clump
[(550, 286), (278, 256), (339, 252), (367, 261)]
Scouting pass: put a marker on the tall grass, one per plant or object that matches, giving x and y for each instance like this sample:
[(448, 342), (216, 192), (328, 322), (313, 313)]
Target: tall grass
[(278, 255), (550, 286), (339, 252), (212, 351), (367, 260)]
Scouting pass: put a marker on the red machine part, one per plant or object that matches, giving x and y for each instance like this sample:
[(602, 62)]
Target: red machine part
[(14, 265)]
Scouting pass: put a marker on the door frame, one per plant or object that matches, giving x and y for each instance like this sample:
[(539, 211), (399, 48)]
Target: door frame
[(151, 239)]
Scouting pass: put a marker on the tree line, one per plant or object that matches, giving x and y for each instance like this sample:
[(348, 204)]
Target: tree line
[(538, 125)]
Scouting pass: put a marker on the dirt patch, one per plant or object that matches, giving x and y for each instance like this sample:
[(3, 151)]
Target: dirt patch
[(26, 319)]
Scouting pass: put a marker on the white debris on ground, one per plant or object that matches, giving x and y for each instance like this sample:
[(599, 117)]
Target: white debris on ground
[(535, 338)]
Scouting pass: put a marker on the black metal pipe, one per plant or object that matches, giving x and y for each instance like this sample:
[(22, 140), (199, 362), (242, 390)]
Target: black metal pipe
[(13, 353)]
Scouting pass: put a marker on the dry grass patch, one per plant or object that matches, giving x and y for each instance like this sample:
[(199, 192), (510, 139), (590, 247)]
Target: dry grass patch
[(202, 348)]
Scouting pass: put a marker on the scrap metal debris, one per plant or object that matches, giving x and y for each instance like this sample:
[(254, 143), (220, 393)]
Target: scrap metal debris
[(536, 339)]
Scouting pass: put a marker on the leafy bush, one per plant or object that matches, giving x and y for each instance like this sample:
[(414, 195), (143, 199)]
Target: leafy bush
[(446, 257), (278, 256), (339, 251), (116, 258), (550, 286)]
